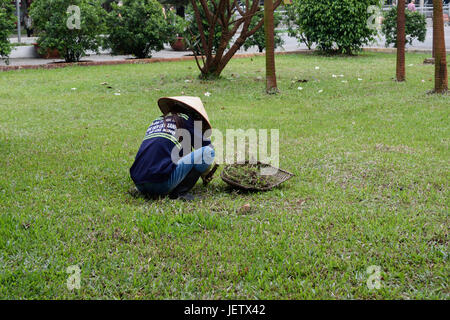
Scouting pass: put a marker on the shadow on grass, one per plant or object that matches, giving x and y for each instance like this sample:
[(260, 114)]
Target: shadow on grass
[(199, 191)]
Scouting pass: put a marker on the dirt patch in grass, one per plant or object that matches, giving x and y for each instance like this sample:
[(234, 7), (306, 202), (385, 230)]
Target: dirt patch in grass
[(399, 149)]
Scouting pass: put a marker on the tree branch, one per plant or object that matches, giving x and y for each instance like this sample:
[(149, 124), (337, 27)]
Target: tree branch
[(198, 18)]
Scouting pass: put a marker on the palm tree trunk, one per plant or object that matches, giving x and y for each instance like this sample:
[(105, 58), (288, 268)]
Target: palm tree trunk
[(401, 21), (440, 60), (271, 77)]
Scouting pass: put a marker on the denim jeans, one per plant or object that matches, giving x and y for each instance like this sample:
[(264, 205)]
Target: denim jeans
[(199, 160)]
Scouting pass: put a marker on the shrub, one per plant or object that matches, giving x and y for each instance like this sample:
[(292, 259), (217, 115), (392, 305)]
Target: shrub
[(51, 19), (258, 38), (334, 26), (294, 25), (180, 5), (140, 26), (416, 27), (6, 27)]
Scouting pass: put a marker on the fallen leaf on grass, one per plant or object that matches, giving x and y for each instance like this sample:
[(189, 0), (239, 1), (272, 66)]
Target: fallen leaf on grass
[(245, 208)]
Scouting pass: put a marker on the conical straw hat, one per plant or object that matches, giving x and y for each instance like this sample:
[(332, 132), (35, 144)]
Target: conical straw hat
[(194, 103)]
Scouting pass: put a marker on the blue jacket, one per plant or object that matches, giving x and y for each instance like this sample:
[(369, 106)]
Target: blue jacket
[(153, 162)]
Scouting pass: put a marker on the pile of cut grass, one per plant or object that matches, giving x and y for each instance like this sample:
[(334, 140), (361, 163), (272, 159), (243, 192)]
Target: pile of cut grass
[(249, 175)]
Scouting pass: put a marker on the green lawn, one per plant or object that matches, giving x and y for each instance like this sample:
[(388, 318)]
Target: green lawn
[(371, 161)]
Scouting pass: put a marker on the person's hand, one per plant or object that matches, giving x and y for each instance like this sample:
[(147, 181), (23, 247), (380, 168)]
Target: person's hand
[(209, 174)]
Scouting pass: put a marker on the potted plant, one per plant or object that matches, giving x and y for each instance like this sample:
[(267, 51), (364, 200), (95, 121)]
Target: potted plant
[(47, 54), (57, 38), (179, 43)]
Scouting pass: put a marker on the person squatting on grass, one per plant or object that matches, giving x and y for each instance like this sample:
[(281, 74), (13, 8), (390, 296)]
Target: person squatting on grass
[(164, 164)]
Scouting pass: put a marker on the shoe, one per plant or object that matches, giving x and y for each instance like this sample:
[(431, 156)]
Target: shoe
[(187, 197)]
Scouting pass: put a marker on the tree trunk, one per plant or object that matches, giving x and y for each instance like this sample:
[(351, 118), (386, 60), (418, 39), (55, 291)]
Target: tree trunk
[(271, 77), (440, 60), (401, 21), (210, 59)]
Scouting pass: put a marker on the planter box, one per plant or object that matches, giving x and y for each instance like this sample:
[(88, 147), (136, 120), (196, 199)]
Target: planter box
[(50, 54), (23, 52)]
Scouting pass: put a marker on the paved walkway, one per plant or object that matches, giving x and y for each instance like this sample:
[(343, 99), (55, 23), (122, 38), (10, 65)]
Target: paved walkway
[(166, 53), (291, 44)]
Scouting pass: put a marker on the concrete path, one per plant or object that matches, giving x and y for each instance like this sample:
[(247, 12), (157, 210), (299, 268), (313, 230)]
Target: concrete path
[(25, 55)]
